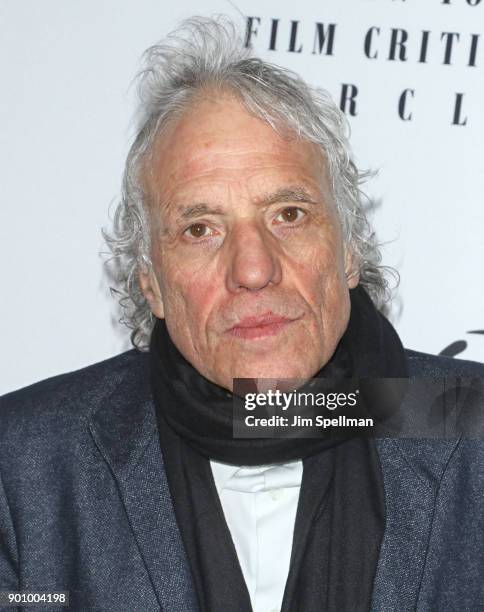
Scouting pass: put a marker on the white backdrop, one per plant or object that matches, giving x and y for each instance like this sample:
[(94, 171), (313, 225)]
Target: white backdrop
[(65, 111)]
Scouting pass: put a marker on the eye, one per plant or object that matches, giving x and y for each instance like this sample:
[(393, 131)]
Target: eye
[(197, 230), (290, 214)]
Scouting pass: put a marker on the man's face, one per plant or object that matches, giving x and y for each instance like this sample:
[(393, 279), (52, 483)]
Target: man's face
[(248, 262)]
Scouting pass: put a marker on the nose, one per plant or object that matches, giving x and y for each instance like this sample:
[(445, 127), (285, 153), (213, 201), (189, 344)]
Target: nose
[(253, 263)]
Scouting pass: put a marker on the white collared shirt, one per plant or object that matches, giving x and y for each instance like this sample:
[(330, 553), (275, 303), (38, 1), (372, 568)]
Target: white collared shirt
[(259, 505)]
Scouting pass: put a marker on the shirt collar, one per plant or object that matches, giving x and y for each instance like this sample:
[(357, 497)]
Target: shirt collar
[(256, 478)]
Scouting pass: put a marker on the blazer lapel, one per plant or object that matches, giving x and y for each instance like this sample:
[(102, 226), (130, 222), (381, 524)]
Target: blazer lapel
[(125, 431), (412, 471)]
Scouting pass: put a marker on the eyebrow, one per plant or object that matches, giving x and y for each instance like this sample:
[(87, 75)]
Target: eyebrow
[(199, 209), (287, 194), (284, 194)]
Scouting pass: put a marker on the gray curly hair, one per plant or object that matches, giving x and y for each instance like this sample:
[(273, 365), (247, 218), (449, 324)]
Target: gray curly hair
[(210, 53)]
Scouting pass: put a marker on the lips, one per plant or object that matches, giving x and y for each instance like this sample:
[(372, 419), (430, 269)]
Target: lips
[(261, 326)]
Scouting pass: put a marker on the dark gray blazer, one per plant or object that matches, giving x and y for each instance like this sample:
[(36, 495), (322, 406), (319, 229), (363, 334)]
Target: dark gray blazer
[(85, 505)]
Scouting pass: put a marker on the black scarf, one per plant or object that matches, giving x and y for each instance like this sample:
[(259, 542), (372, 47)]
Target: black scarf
[(340, 516)]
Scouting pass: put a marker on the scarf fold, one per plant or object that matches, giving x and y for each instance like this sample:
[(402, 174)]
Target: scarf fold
[(340, 517)]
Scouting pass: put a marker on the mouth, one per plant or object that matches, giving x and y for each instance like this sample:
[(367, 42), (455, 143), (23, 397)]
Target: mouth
[(262, 326)]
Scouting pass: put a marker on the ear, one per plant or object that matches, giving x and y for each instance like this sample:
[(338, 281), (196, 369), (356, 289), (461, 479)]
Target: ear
[(352, 270), (151, 290)]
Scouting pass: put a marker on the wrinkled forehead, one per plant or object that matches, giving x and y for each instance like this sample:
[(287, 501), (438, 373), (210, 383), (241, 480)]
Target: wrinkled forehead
[(219, 139)]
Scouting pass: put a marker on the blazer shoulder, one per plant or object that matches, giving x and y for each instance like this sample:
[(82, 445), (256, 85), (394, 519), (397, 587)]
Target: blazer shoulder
[(78, 392), (437, 366)]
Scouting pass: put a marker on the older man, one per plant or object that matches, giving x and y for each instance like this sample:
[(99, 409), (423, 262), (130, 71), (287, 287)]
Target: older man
[(243, 252)]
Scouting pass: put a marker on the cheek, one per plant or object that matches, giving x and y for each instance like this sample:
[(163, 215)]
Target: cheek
[(320, 269), (188, 294), (320, 279)]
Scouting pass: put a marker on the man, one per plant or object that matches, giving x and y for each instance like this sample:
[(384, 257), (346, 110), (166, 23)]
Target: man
[(244, 253)]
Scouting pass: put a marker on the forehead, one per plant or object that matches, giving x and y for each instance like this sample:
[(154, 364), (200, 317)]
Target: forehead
[(217, 142)]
